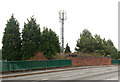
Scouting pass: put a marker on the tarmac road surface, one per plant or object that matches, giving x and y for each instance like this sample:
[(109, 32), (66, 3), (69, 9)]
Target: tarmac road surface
[(95, 73)]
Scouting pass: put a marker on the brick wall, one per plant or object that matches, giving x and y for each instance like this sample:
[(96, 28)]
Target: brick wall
[(89, 61)]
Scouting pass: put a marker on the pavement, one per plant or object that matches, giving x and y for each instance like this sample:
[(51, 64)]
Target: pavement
[(109, 72)]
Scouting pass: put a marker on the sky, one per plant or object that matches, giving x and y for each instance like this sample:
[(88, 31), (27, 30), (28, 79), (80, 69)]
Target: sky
[(98, 16)]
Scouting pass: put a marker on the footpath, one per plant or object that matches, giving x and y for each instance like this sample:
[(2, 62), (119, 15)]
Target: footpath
[(48, 71)]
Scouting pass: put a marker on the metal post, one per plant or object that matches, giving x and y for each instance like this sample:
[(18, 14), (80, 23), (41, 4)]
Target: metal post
[(62, 17)]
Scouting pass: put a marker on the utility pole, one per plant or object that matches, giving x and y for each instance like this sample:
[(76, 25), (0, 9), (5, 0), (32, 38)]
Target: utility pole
[(62, 17)]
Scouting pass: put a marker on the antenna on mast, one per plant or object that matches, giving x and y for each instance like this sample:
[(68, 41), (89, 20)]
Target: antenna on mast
[(62, 17)]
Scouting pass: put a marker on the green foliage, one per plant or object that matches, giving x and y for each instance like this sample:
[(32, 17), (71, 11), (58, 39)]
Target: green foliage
[(49, 43), (99, 46), (85, 43), (67, 49), (110, 49), (11, 41), (88, 44), (118, 54), (0, 54), (30, 39)]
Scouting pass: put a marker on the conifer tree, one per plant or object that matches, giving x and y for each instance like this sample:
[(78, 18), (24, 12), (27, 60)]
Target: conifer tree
[(30, 39), (11, 41), (67, 49), (89, 44), (49, 43), (85, 43)]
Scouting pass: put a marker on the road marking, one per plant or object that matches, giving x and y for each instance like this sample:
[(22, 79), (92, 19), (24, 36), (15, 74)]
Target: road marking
[(70, 75), (82, 73), (98, 70), (113, 78), (66, 76), (107, 79), (45, 79)]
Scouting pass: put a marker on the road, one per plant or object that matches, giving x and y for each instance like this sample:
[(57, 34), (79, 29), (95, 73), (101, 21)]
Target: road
[(97, 73)]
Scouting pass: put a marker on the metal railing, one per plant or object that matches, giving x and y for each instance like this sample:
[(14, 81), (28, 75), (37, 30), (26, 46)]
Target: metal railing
[(115, 61)]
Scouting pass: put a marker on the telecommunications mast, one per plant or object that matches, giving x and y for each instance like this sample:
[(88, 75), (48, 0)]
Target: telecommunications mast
[(62, 17)]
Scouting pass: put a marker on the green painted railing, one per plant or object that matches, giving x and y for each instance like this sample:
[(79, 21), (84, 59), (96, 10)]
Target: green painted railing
[(115, 61), (28, 65)]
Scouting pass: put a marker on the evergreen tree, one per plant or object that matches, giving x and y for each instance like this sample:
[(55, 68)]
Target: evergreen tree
[(99, 46), (67, 49), (11, 41), (49, 43), (111, 50), (0, 54), (118, 54), (30, 39), (85, 43)]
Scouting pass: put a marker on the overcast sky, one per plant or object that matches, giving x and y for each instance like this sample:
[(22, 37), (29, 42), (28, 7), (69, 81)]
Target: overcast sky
[(98, 16)]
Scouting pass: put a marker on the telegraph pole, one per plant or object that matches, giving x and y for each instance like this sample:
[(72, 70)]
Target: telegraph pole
[(62, 17)]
